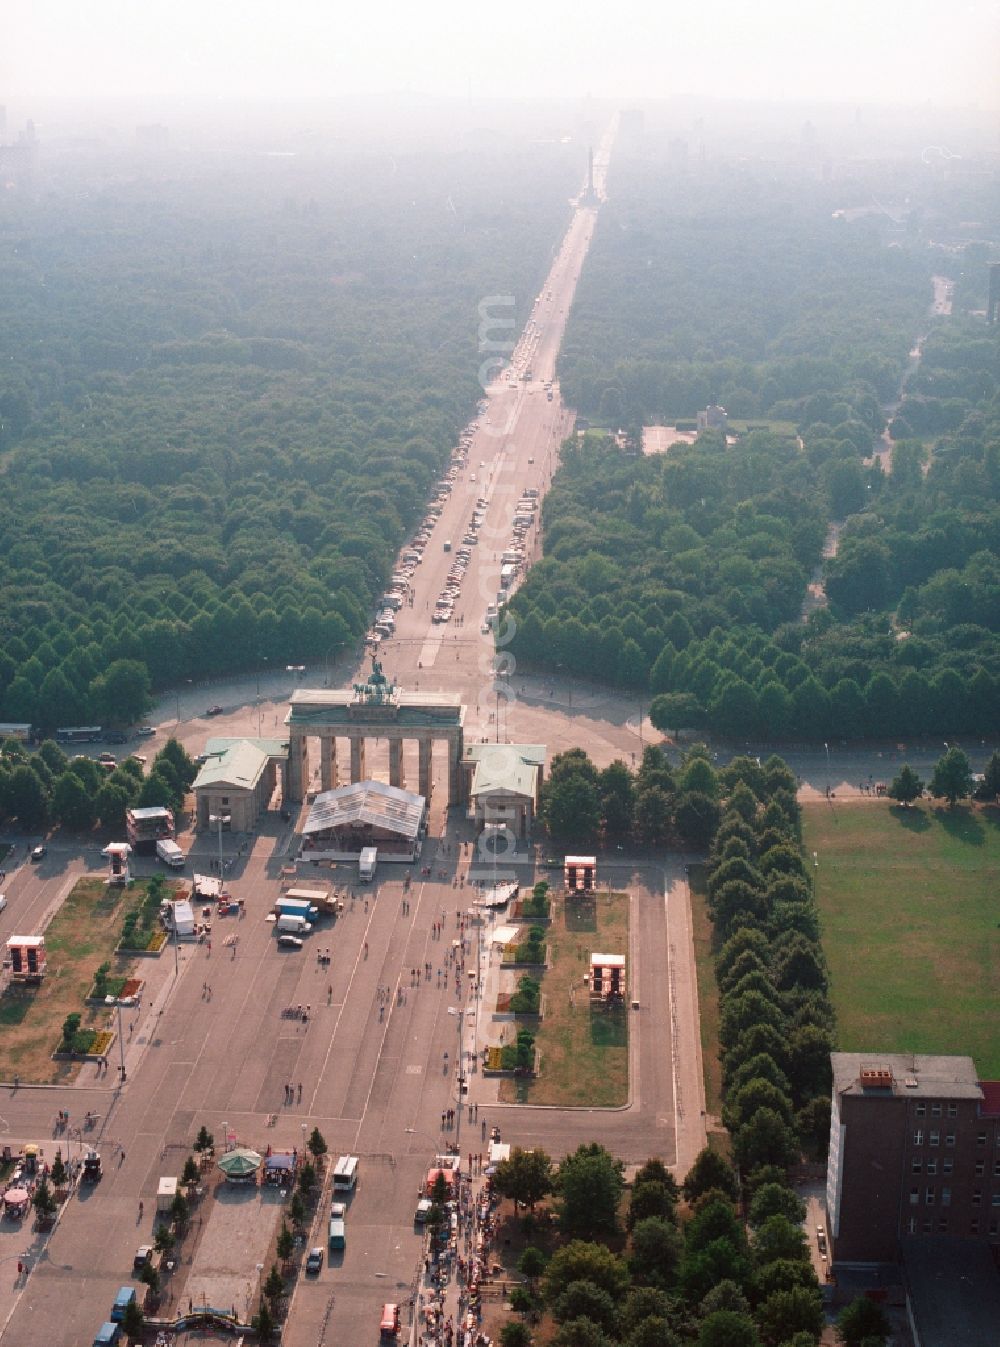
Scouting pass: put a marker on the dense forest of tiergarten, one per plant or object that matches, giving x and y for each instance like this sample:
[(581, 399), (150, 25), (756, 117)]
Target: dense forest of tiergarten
[(848, 462)]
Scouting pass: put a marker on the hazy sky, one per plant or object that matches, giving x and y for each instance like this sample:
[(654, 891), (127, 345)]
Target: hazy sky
[(856, 50)]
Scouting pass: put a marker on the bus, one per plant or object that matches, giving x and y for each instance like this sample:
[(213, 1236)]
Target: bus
[(80, 734), (345, 1175), (15, 730)]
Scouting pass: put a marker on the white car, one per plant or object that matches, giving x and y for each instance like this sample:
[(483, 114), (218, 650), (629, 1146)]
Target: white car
[(3, 901)]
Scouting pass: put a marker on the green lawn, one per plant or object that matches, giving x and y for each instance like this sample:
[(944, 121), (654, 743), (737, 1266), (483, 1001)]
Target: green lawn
[(583, 1052), (910, 906)]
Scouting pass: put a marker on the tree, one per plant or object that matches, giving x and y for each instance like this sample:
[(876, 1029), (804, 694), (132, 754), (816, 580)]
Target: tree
[(862, 1319), (59, 1174), (515, 1334), (297, 1209), (274, 1286), (656, 1252), (263, 1322), (316, 1145), (725, 1296), (179, 1210), (617, 789), (781, 1274), (580, 1261), (765, 1139), (728, 1328), (120, 695), (111, 802), (778, 1237), (989, 787), (644, 1302), (776, 1199), (43, 1201), (572, 808), (150, 1277), (797, 1310), (163, 1239), (584, 1300), (190, 1173), (709, 1171), (532, 1263), (675, 710), (906, 786), (650, 1198), (653, 1332), (716, 1219), (204, 1141), (652, 816), (285, 1243), (525, 1177), (696, 817), (133, 1320), (702, 1269), (952, 777), (581, 1333), (27, 798), (590, 1186)]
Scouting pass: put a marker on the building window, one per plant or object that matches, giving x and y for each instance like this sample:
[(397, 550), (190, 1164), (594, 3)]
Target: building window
[(920, 1110), (980, 1138), (914, 1196), (942, 1226), (947, 1165), (918, 1137), (973, 1227), (977, 1196), (949, 1138), (946, 1196), (931, 1166), (928, 1226), (935, 1110), (929, 1197), (916, 1166), (935, 1138), (911, 1226), (952, 1110), (996, 1169), (996, 1199), (994, 1227), (980, 1168)]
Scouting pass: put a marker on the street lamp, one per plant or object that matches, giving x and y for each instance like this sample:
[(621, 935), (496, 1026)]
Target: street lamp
[(121, 1042), (218, 818), (827, 747)]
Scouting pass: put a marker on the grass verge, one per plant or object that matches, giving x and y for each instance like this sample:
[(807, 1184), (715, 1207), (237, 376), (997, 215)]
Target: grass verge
[(908, 904), (78, 940), (583, 1053), (708, 991)]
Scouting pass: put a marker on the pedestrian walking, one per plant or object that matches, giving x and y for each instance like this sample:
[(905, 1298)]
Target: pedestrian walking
[(300, 1092)]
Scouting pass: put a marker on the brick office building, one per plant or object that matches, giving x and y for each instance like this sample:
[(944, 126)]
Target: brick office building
[(914, 1150)]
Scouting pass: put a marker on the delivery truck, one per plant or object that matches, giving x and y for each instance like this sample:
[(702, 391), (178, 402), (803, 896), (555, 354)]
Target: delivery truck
[(367, 863), (170, 854), (296, 907)]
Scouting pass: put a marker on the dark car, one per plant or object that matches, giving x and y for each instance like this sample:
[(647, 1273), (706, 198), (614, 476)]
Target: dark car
[(115, 736), (314, 1261), (143, 1255), (38, 852), (215, 710)]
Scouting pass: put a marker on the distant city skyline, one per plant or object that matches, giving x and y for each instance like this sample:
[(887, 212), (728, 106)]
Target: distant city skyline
[(899, 51)]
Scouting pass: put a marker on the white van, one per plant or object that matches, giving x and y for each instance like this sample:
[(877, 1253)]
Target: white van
[(170, 853), (290, 925), (345, 1174)]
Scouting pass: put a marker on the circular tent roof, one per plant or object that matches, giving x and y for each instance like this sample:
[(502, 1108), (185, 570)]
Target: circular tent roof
[(239, 1163)]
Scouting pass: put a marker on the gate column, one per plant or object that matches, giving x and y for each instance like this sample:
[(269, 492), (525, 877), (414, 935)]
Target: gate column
[(396, 763), (298, 766), (424, 766), (357, 758)]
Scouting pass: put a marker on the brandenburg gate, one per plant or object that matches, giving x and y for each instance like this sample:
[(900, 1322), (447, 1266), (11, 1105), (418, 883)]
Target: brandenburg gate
[(374, 709)]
